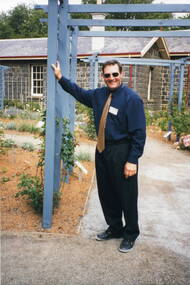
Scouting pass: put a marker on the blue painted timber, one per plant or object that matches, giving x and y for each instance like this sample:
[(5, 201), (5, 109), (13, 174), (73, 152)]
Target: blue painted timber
[(130, 8), (73, 74), (50, 117), (130, 23), (136, 34), (141, 61), (62, 98), (2, 85), (171, 93), (181, 83)]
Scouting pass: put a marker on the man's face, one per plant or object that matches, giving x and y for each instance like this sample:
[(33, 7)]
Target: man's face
[(112, 77)]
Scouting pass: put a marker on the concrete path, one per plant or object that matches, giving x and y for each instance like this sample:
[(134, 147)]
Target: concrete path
[(161, 255)]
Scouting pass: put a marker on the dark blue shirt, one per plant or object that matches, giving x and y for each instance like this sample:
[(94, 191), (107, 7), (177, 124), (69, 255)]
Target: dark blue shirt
[(126, 118)]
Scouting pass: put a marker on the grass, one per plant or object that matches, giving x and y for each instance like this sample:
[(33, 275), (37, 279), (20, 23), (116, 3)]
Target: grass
[(83, 156)]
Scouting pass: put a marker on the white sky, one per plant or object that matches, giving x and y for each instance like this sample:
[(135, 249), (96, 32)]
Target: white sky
[(6, 5)]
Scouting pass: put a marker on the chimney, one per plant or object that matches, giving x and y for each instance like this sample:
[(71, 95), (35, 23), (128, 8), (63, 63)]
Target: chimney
[(98, 42)]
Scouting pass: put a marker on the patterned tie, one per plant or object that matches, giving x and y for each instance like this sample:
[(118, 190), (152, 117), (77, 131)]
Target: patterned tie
[(101, 132)]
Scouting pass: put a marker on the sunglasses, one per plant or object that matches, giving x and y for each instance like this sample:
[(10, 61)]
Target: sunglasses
[(108, 75)]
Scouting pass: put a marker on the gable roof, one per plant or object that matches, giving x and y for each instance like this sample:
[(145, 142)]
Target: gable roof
[(36, 48)]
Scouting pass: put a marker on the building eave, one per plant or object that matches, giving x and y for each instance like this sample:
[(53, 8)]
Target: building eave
[(23, 57)]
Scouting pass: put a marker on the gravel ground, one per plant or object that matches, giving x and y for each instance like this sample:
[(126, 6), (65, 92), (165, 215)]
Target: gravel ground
[(161, 255)]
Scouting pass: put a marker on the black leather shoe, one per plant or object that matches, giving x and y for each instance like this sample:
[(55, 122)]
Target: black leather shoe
[(126, 245), (107, 235)]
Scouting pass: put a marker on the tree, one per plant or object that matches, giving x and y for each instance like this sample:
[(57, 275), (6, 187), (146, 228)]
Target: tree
[(22, 22)]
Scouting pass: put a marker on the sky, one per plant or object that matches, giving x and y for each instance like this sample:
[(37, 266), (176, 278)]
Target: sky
[(6, 5)]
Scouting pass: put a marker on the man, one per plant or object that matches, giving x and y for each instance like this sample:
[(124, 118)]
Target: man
[(120, 126)]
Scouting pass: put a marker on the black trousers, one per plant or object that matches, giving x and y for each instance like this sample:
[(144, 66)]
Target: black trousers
[(118, 195)]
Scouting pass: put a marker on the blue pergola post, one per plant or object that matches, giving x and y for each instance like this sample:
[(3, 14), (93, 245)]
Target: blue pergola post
[(62, 97), (180, 94), (73, 74), (93, 70), (50, 116), (171, 93), (2, 85)]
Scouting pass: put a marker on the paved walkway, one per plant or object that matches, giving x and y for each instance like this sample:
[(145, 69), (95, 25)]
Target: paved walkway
[(161, 255)]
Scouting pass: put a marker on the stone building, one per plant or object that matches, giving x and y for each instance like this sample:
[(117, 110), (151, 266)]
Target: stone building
[(26, 78)]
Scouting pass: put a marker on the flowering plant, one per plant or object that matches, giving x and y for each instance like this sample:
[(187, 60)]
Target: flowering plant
[(185, 142)]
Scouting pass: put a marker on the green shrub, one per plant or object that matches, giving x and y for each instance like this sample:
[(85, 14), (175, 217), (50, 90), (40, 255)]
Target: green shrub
[(149, 117), (181, 121), (32, 187), (28, 146)]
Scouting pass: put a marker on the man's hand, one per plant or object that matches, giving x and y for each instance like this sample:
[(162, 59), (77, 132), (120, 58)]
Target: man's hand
[(57, 70), (130, 169)]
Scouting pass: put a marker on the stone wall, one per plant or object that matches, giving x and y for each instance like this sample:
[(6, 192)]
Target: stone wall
[(18, 80)]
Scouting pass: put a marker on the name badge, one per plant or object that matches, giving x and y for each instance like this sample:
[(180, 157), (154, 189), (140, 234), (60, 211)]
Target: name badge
[(113, 110)]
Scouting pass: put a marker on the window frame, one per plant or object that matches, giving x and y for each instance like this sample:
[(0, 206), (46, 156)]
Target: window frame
[(41, 80)]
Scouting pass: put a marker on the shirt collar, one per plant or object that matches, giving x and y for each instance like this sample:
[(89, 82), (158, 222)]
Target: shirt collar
[(115, 92)]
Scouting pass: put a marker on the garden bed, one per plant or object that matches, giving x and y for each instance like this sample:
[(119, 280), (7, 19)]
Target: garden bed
[(17, 215)]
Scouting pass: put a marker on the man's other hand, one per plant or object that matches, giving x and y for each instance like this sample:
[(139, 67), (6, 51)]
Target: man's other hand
[(130, 169)]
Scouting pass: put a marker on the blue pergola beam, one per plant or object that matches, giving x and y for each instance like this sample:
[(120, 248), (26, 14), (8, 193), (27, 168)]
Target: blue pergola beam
[(136, 34), (130, 8), (142, 61), (130, 23)]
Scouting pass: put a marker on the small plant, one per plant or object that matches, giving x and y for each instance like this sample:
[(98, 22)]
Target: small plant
[(2, 125), (2, 151), (11, 126), (83, 156), (67, 147), (32, 187), (28, 128), (90, 129), (28, 146), (5, 179), (8, 143)]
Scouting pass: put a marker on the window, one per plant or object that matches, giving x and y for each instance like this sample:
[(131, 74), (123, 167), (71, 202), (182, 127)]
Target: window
[(37, 80)]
